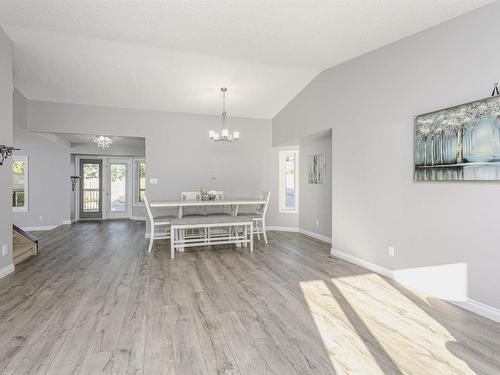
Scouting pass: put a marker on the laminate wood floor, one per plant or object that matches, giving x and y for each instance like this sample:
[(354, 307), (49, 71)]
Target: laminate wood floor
[(94, 301)]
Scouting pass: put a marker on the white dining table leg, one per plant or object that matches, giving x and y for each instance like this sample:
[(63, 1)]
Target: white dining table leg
[(245, 234), (235, 213)]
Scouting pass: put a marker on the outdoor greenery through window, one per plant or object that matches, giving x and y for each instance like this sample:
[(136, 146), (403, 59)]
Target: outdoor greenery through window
[(141, 180), (288, 181), (20, 183)]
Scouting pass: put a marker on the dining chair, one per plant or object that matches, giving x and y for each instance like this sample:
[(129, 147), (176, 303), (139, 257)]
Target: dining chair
[(217, 210), (159, 221), (191, 211), (259, 218)]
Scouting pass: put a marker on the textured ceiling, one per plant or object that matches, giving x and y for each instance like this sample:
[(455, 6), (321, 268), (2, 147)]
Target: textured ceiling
[(175, 55)]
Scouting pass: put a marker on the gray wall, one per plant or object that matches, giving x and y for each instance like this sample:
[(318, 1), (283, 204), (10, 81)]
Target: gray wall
[(48, 173), (178, 151), (114, 150), (370, 103), (6, 87), (315, 199)]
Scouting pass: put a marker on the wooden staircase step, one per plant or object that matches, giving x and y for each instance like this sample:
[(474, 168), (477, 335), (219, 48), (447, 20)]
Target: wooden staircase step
[(24, 245)]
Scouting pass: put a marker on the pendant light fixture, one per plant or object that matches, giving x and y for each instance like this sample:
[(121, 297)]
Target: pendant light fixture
[(103, 142), (224, 135)]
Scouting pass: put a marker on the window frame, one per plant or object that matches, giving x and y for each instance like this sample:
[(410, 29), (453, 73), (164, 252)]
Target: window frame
[(23, 158), (136, 182), (282, 185)]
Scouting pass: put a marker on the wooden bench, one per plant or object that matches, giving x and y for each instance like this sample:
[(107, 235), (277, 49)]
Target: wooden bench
[(232, 236)]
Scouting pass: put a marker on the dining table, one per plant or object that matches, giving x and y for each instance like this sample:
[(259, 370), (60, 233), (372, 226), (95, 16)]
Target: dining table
[(233, 203)]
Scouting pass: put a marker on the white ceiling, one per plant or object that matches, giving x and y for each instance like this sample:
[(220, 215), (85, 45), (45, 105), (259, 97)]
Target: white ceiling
[(175, 55)]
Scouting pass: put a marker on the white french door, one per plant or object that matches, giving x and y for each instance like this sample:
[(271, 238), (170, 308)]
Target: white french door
[(118, 188)]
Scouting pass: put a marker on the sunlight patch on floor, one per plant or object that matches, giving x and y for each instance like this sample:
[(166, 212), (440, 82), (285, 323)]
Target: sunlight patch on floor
[(401, 327), (346, 350)]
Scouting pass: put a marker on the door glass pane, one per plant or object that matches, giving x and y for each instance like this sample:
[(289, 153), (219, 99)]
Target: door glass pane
[(142, 181), (290, 181), (91, 187), (118, 187), (18, 183)]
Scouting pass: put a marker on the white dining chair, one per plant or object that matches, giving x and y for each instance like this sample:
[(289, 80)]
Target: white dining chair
[(192, 211), (217, 210), (191, 196), (259, 218), (159, 221)]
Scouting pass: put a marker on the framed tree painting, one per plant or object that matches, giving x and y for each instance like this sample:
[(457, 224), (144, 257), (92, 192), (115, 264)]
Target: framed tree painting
[(316, 169), (460, 143)]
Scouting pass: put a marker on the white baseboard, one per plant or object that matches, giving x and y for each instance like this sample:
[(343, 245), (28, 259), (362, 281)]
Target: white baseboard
[(363, 263), (470, 305), (479, 308), (32, 229), (315, 235), (282, 229), (300, 230), (138, 218), (7, 270)]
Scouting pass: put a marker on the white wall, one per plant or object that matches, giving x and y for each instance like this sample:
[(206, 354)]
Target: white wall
[(370, 103), (48, 173), (315, 199), (178, 151), (6, 88)]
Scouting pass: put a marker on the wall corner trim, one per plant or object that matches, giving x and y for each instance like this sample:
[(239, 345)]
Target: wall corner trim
[(470, 305), (7, 270)]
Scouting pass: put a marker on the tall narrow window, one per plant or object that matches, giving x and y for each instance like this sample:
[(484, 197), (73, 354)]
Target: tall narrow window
[(140, 181), (288, 185), (20, 184)]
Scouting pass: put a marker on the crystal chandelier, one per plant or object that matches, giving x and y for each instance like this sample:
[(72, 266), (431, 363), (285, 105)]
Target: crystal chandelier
[(103, 142), (224, 135)]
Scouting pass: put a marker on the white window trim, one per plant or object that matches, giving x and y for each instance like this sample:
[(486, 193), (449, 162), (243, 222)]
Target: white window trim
[(282, 195), (136, 181), (26, 183)]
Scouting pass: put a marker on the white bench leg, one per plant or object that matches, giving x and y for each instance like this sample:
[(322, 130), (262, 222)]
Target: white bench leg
[(182, 236), (151, 238), (251, 237), (245, 234), (172, 241)]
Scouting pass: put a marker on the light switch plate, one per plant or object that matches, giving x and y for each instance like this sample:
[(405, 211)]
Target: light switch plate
[(153, 181), (5, 249)]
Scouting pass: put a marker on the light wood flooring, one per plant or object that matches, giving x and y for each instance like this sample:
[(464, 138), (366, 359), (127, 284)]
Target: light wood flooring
[(94, 302)]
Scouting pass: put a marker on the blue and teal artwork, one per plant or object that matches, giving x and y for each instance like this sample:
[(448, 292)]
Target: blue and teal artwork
[(460, 143)]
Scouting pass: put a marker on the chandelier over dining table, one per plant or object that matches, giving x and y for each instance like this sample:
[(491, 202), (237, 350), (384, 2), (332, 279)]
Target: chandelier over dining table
[(224, 135)]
